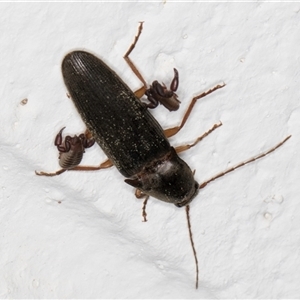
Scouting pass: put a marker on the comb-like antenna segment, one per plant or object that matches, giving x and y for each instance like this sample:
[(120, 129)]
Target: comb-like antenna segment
[(187, 209)]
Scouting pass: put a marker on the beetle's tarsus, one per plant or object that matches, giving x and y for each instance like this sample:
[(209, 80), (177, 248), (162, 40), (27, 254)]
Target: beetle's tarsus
[(50, 174)]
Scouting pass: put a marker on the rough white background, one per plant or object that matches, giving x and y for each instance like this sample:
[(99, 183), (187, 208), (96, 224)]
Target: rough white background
[(80, 234)]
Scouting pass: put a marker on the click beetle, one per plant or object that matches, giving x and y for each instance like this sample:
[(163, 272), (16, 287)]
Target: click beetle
[(128, 133)]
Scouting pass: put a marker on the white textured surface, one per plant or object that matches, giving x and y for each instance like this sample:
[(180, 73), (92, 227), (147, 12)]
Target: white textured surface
[(80, 234)]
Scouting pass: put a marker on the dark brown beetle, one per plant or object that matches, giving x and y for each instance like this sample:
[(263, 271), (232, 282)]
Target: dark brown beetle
[(128, 133)]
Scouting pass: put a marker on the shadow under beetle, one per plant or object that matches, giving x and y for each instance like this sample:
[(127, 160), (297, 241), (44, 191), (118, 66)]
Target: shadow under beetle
[(129, 135)]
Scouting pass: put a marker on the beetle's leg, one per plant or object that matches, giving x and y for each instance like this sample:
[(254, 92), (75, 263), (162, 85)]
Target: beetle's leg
[(243, 163), (134, 69), (105, 165), (186, 147), (156, 93), (88, 134), (50, 174), (139, 194), (172, 131), (140, 92)]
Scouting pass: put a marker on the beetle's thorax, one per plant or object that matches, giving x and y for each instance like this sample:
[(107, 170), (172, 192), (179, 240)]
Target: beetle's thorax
[(168, 179)]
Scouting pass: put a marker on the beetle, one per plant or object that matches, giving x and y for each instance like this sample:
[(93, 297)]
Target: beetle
[(127, 132), (130, 136)]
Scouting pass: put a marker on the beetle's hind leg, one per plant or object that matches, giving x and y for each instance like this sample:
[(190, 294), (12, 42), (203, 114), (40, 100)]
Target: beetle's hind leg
[(105, 165), (140, 92), (86, 141), (156, 93), (50, 174)]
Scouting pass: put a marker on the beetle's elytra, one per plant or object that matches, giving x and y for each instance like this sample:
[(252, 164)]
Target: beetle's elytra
[(126, 131)]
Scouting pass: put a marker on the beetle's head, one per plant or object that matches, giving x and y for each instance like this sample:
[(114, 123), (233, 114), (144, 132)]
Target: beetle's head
[(168, 179)]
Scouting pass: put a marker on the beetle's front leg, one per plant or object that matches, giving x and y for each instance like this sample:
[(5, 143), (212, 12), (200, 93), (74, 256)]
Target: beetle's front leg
[(139, 194), (105, 165)]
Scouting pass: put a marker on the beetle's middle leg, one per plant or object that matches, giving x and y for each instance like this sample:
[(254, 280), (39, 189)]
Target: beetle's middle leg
[(200, 138), (172, 131)]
